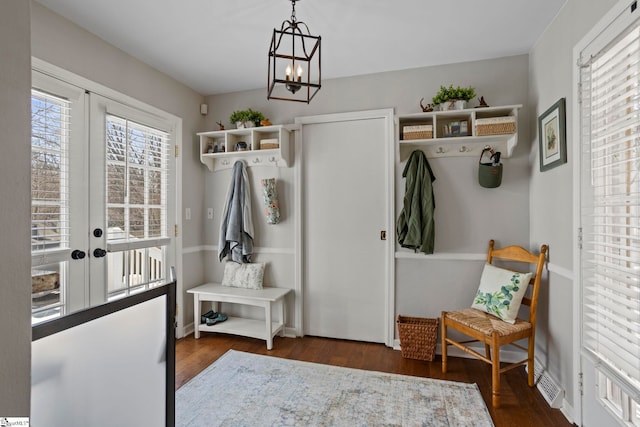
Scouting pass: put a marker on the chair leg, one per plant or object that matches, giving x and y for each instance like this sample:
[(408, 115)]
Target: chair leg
[(487, 350), (531, 361), (495, 371), (444, 343)]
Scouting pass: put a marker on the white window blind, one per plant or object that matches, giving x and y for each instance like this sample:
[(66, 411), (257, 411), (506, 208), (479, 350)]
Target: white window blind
[(610, 187), (50, 132), (137, 178)]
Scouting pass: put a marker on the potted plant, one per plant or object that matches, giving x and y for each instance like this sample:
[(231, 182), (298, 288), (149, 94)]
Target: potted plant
[(450, 98), (246, 118)]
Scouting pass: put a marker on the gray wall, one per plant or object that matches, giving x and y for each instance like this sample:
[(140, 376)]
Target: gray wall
[(62, 43), (15, 259), (467, 215), (551, 192)]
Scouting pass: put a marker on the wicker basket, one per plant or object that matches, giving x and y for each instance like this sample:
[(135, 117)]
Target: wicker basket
[(496, 126), (418, 337), (417, 132)]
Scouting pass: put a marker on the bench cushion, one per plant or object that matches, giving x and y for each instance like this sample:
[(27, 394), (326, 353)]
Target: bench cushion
[(248, 275)]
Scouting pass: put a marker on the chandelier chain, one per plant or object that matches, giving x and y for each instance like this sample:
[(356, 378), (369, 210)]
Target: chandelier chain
[(293, 11)]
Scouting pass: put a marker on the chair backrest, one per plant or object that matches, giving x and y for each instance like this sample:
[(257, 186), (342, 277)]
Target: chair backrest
[(517, 253)]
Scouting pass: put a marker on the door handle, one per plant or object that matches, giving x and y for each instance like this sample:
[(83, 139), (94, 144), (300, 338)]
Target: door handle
[(99, 253), (77, 254)]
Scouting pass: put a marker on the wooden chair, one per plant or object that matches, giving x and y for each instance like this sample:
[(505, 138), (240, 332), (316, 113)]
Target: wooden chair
[(493, 331)]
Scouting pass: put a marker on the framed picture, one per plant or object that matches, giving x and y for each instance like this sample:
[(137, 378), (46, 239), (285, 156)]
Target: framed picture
[(552, 135)]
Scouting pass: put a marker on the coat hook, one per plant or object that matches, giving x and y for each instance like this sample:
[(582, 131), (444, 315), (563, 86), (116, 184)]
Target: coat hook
[(440, 150), (256, 160), (225, 162), (272, 159), (463, 149)]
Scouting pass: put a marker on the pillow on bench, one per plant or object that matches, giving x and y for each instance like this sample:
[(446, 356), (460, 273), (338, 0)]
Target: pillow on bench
[(248, 276)]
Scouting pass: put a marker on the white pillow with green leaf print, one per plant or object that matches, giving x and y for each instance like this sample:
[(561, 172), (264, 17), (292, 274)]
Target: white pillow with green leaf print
[(500, 292)]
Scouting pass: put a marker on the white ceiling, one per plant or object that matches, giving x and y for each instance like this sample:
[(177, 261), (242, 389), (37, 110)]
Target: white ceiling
[(218, 46)]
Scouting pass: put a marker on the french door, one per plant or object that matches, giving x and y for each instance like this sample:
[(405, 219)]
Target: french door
[(609, 194), (102, 198)]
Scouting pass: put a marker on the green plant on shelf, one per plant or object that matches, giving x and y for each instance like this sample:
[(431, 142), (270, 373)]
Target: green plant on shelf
[(247, 115), (454, 94)]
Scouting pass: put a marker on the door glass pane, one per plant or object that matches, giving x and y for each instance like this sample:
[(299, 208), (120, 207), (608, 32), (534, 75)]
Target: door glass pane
[(47, 284)]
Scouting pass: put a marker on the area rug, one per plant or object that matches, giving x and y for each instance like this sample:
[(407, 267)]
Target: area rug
[(244, 389)]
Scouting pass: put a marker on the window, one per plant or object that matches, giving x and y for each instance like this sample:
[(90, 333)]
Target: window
[(137, 173), (610, 194), (50, 124)]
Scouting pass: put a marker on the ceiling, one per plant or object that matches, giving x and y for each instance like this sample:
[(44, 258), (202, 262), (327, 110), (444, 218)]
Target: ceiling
[(218, 46)]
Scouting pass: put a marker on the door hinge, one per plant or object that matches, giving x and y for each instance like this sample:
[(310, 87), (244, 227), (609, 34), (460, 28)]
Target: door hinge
[(579, 237), (581, 384), (177, 150), (175, 230)]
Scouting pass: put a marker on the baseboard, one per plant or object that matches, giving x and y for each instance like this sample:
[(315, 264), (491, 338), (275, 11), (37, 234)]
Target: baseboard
[(567, 411)]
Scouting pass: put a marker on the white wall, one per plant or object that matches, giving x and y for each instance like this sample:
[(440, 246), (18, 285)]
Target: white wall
[(551, 192), (15, 259), (64, 44), (467, 215)]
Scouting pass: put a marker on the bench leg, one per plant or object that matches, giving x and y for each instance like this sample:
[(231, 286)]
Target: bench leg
[(196, 316), (282, 319), (267, 316)]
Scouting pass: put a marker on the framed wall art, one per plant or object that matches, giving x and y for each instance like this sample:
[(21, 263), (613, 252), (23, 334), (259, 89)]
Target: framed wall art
[(552, 136)]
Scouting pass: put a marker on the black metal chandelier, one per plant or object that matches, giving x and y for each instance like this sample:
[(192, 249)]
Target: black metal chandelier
[(294, 61)]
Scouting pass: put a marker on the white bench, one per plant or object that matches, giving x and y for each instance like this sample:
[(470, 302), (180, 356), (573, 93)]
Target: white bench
[(266, 297)]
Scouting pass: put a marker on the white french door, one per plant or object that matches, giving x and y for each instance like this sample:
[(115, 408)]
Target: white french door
[(609, 203), (103, 198)]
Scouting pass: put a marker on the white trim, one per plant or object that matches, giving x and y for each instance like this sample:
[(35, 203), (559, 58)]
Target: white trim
[(388, 115), (197, 249), (444, 256), (567, 411)]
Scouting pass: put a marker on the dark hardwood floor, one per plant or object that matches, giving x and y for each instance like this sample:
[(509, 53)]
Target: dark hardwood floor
[(521, 406)]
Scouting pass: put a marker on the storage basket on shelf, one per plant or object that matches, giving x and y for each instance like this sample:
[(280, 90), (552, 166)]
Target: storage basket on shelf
[(496, 126), (417, 132), (418, 337)]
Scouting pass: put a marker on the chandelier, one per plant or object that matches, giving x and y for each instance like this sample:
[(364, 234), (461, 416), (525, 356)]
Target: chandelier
[(294, 61)]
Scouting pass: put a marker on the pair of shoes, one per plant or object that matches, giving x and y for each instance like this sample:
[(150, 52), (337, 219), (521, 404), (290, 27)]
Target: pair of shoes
[(220, 317), (208, 316)]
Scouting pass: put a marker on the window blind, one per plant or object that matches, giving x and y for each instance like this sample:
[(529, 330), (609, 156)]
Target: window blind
[(137, 177), (50, 132), (610, 150)]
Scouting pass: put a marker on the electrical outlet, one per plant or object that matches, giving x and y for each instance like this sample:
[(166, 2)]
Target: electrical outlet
[(209, 213), (187, 214)]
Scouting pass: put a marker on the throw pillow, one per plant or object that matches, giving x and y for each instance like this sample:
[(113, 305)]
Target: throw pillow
[(247, 276), (500, 292)]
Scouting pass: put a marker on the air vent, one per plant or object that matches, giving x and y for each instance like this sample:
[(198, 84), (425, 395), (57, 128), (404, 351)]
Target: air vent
[(548, 387)]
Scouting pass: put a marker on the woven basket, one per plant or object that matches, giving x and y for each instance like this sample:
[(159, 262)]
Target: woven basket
[(418, 337), (417, 132), (496, 126)]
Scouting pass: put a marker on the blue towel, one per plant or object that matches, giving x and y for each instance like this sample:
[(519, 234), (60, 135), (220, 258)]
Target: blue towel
[(236, 227)]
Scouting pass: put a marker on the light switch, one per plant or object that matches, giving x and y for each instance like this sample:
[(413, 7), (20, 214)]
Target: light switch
[(209, 213)]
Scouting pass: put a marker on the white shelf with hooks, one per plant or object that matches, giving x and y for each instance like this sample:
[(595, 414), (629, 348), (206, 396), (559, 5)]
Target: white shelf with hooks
[(460, 132), (258, 146)]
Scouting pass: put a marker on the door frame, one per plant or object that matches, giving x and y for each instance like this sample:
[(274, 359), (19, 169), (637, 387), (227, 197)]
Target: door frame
[(388, 115), (175, 186)]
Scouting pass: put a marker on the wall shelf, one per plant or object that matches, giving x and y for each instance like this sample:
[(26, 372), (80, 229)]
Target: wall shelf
[(219, 149), (460, 141)]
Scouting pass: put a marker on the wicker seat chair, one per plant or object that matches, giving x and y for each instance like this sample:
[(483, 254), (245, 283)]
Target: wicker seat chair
[(491, 330)]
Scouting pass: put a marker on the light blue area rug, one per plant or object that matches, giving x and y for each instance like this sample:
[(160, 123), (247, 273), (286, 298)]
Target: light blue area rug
[(244, 389)]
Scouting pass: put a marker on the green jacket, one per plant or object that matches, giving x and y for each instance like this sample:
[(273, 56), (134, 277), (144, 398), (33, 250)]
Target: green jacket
[(415, 227)]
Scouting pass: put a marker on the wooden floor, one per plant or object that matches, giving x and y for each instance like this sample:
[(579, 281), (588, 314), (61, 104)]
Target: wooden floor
[(521, 406)]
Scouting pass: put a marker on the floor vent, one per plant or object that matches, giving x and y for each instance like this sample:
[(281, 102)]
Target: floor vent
[(549, 387)]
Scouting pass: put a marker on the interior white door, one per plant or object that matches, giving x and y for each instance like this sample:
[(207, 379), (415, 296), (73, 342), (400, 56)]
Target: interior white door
[(345, 208)]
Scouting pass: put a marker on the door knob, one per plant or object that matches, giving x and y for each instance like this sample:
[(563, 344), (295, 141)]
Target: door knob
[(99, 253), (97, 232), (77, 254)]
